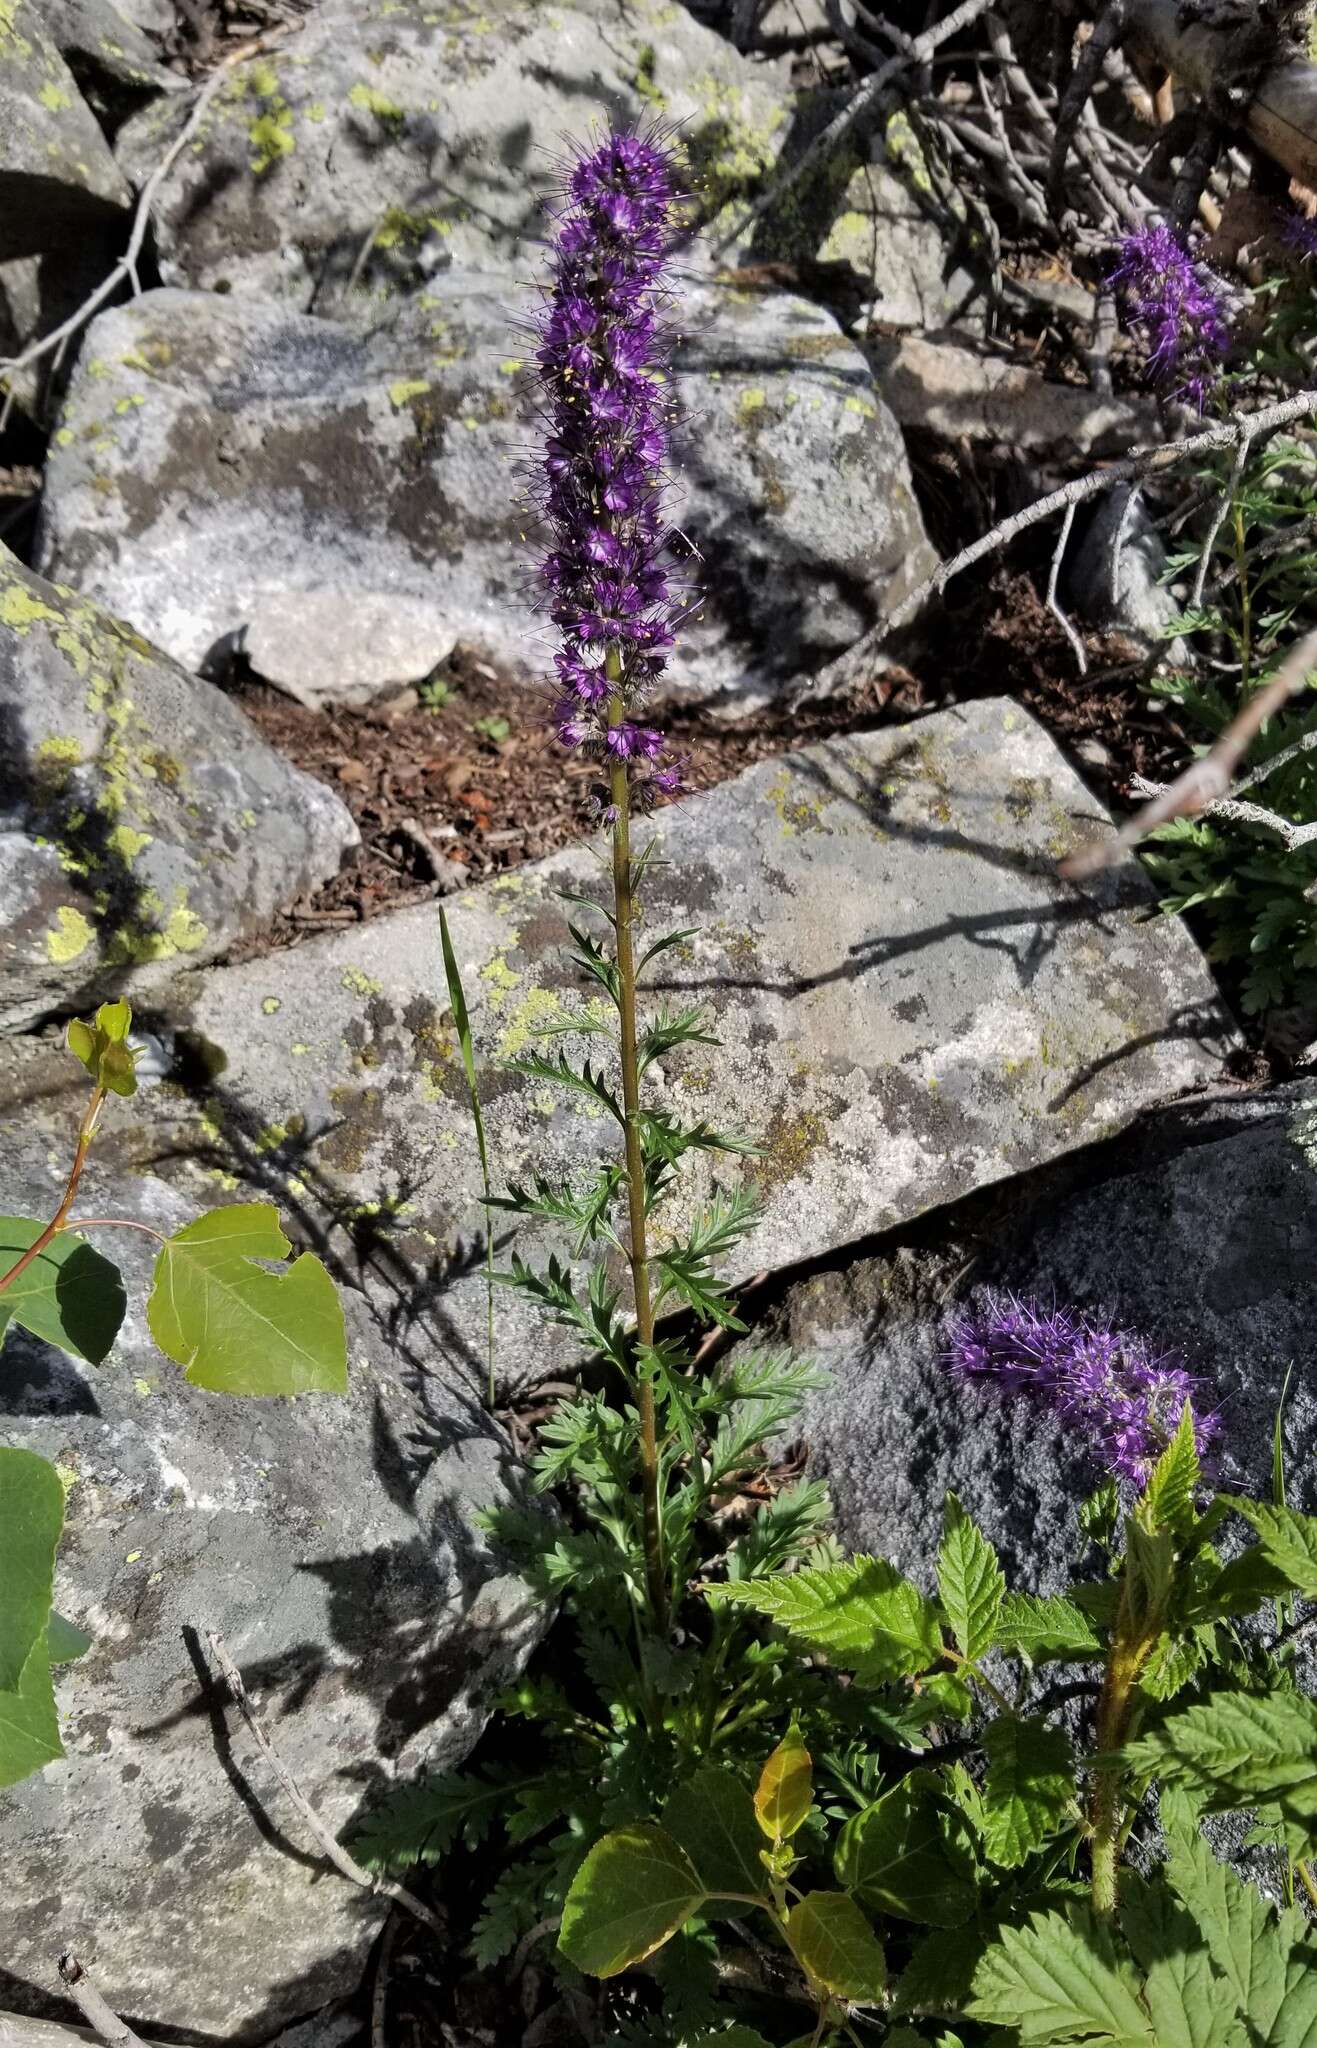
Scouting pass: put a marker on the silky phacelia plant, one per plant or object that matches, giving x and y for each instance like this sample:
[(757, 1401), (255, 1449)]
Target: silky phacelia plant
[(1179, 308), (611, 585), (1122, 1396)]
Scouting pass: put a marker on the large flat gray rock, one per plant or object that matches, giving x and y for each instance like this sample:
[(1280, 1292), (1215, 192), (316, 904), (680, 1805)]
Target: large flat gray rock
[(216, 453), (143, 822), (57, 175), (330, 1540), (431, 134), (911, 1006), (1205, 1244)]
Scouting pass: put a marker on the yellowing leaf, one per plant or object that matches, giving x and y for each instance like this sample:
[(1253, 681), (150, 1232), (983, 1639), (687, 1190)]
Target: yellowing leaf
[(635, 1889), (236, 1328), (835, 1945), (785, 1790)]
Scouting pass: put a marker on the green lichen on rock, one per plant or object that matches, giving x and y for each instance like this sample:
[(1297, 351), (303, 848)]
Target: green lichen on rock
[(271, 131), (69, 937)]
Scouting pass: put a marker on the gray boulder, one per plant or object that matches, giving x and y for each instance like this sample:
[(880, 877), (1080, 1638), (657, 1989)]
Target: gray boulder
[(963, 394), (57, 177), (331, 1541), (143, 823), (910, 1006), (384, 141), (327, 647), (102, 45), (1199, 1235), (217, 453)]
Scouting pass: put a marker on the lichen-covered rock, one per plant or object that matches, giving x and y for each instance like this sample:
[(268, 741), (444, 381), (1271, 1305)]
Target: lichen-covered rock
[(103, 46), (910, 1006), (421, 130), (1200, 1237), (331, 1541), (57, 175), (216, 452), (143, 824)]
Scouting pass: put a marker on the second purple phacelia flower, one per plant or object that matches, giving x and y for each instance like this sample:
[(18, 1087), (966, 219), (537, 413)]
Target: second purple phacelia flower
[(1180, 308), (1123, 1396), (609, 579)]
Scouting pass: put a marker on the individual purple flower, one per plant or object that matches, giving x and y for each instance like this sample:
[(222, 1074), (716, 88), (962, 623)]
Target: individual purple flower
[(1125, 1397), (609, 581), (1180, 309)]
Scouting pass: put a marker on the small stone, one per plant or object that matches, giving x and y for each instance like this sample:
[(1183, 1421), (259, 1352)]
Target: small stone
[(961, 394), (57, 176), (332, 648)]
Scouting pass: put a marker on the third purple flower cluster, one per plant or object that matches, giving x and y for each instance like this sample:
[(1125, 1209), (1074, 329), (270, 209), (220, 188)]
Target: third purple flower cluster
[(1123, 1396), (607, 570)]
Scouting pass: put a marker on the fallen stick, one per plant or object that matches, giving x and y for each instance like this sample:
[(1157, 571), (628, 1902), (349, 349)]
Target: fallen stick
[(345, 1864), (116, 2033), (1282, 115)]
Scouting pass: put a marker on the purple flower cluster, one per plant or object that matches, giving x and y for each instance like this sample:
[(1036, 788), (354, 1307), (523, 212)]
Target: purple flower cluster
[(607, 574), (1124, 1397), (1180, 308)]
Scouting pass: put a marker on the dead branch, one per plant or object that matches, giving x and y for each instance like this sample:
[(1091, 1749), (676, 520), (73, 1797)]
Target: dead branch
[(125, 270), (866, 99), (1107, 32), (850, 667), (1282, 114), (116, 2033), (1053, 605), (346, 1865), (1203, 786)]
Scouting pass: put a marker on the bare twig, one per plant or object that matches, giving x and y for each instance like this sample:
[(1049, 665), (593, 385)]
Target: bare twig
[(125, 270), (849, 667), (1108, 30), (1053, 605), (346, 1865), (1204, 784), (865, 100), (379, 1996), (116, 2033)]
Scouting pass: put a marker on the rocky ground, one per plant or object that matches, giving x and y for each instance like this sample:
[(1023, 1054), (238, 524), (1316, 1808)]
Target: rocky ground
[(268, 689)]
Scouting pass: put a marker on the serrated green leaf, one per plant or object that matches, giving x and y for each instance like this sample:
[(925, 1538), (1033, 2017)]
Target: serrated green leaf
[(712, 1817), (970, 1581), (236, 1328), (910, 1855), (1286, 1539), (29, 1726), (1058, 1978), (633, 1891), (1234, 1748), (31, 1519), (1050, 1630), (835, 1946), (1248, 1942), (1173, 1661), (1029, 1785), (785, 1790), (1188, 2004), (420, 1823), (69, 1295), (940, 1973), (1169, 1497), (862, 1614)]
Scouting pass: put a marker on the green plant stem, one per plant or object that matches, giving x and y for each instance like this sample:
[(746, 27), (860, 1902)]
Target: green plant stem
[(86, 1131), (1125, 1660), (1305, 1878), (1245, 600), (625, 911)]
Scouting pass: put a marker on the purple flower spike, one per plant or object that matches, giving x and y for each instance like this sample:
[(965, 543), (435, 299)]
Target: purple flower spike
[(1300, 234), (608, 578), (1179, 307), (1124, 1397)]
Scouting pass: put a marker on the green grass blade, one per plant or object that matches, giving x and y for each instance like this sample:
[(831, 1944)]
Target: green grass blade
[(457, 1003), (1284, 1607)]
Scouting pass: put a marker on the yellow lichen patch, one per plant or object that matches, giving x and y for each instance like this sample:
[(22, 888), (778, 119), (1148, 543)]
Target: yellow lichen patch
[(54, 97), (269, 1005), (404, 389), (21, 610), (358, 983), (796, 812), (752, 401), (538, 1007), (70, 936), (499, 979), (127, 842), (372, 101)]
